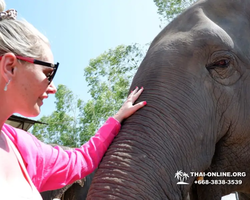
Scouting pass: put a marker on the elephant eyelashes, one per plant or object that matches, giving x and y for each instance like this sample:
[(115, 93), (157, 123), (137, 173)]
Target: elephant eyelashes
[(221, 64)]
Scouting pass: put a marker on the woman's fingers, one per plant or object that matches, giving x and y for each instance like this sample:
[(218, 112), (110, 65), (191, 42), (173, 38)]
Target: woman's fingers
[(139, 105), (135, 94), (128, 108)]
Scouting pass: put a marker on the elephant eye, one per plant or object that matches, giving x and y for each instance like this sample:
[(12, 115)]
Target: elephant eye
[(224, 63)]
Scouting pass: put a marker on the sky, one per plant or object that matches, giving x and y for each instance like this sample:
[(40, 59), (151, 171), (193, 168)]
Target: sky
[(80, 30)]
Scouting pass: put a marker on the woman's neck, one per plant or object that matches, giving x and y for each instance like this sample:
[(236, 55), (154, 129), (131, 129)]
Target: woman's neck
[(6, 109), (3, 118)]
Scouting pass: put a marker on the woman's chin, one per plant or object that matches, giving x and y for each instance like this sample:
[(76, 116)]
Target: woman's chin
[(36, 113), (33, 113)]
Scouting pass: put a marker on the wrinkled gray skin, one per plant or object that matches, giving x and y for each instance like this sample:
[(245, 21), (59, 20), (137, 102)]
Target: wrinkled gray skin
[(196, 76), (76, 191)]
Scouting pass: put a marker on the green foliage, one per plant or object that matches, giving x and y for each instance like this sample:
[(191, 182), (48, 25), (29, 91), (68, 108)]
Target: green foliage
[(62, 125), (109, 77), (169, 9)]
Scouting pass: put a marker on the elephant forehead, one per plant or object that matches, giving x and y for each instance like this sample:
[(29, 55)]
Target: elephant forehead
[(204, 26), (233, 18), (204, 33)]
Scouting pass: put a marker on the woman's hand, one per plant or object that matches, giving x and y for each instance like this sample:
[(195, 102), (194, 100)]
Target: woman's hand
[(128, 108)]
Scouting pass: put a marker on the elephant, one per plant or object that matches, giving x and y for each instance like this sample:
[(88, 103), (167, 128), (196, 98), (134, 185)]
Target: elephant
[(76, 191), (196, 75)]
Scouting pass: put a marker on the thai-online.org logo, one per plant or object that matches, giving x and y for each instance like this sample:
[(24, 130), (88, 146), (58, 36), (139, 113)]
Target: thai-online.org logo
[(181, 177), (217, 177)]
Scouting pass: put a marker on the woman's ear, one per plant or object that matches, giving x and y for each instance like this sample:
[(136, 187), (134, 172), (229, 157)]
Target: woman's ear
[(7, 66)]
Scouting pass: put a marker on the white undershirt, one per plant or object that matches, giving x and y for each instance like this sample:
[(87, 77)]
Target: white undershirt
[(16, 185)]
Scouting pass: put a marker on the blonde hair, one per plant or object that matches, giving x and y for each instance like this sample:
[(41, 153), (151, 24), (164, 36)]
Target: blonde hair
[(20, 37)]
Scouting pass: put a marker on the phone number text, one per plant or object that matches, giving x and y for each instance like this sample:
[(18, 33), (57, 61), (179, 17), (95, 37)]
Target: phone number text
[(218, 182)]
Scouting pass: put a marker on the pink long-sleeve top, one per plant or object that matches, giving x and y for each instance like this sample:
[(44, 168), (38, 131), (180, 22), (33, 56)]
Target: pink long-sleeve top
[(52, 167)]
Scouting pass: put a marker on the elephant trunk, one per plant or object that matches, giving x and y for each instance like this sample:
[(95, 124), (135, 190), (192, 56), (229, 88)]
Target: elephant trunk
[(167, 135)]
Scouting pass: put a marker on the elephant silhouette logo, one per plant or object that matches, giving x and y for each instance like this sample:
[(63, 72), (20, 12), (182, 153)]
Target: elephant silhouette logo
[(181, 176)]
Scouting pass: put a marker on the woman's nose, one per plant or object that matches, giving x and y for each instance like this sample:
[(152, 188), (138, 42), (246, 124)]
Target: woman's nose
[(51, 88)]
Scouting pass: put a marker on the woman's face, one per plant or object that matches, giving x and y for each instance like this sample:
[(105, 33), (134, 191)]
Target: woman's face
[(29, 86)]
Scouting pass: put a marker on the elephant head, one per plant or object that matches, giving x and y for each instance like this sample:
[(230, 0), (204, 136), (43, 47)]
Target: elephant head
[(196, 76)]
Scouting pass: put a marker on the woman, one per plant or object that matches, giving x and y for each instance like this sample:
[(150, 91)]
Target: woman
[(28, 166)]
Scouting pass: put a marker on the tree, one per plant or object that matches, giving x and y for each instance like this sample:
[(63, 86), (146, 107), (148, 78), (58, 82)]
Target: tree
[(62, 125), (169, 9), (109, 77)]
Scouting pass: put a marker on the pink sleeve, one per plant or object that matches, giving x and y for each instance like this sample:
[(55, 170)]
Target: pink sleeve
[(52, 168)]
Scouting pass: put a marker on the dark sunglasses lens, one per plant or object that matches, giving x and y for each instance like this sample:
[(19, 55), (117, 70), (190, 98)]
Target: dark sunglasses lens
[(52, 75)]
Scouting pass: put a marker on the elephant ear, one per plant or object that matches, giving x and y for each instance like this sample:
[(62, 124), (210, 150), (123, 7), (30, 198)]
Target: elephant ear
[(223, 69)]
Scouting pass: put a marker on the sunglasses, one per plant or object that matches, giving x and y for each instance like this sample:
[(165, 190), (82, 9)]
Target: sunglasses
[(39, 62)]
